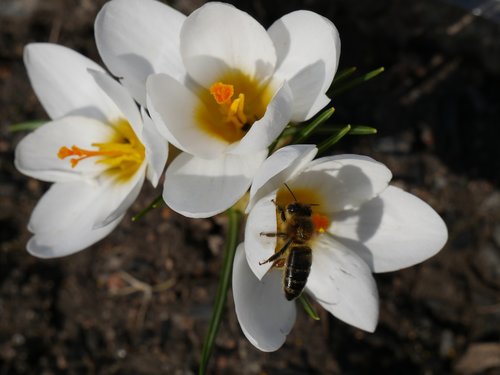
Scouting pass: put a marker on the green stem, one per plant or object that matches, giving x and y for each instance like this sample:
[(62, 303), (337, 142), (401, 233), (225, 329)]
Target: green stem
[(158, 201), (28, 125), (234, 217)]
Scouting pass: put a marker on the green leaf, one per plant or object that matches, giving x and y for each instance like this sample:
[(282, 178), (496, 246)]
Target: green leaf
[(333, 139), (234, 217), (23, 126), (343, 75), (158, 201), (308, 307), (362, 130), (309, 128), (342, 87), (355, 129)]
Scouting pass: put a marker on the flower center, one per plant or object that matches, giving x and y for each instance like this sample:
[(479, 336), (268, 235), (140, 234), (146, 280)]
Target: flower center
[(123, 154), (232, 105), (304, 196)]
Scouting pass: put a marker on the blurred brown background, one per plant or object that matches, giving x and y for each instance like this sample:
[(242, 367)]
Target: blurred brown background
[(139, 302)]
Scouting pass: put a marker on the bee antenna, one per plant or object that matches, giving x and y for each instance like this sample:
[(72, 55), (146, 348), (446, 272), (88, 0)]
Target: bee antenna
[(290, 190)]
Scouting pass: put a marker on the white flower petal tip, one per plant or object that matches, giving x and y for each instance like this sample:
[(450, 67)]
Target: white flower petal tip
[(343, 284), (196, 187), (280, 167), (63, 225), (61, 80), (393, 231), (136, 38), (264, 314), (156, 149), (309, 67), (218, 36)]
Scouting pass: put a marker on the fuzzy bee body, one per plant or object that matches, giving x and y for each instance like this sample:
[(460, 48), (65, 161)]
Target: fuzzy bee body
[(296, 230)]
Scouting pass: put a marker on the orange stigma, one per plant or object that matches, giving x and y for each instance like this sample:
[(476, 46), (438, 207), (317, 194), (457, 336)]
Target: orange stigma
[(121, 155), (320, 222), (222, 92), (82, 154)]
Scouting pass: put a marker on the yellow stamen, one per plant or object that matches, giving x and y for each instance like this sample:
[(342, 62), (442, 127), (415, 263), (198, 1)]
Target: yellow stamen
[(231, 105), (232, 110)]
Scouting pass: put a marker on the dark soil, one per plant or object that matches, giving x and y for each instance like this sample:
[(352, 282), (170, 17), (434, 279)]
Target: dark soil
[(437, 109)]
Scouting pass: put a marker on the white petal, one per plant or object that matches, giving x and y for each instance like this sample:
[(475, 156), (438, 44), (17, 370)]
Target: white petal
[(268, 128), (63, 219), (281, 166), (73, 239), (36, 154), (308, 98), (308, 50), (218, 37), (136, 38), (121, 98), (63, 85), (173, 110), (156, 149), (197, 187), (343, 284), (344, 181), (262, 219), (119, 197), (264, 314), (392, 231)]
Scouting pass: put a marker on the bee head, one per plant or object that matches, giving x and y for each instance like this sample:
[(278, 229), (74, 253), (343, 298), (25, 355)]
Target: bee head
[(300, 209)]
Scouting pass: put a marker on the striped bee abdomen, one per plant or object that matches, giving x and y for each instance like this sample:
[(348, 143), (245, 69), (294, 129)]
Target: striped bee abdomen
[(297, 270)]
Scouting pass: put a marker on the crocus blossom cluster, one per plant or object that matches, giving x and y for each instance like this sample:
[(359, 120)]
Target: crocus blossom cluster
[(221, 89)]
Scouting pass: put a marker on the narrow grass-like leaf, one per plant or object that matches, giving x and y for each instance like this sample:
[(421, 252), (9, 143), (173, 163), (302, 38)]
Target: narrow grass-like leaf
[(362, 130), (308, 307), (340, 88), (333, 139), (158, 201), (309, 128), (344, 74), (234, 217), (23, 126), (355, 129)]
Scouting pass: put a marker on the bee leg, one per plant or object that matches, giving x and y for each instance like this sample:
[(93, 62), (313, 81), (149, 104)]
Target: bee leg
[(275, 256), (279, 234), (281, 210)]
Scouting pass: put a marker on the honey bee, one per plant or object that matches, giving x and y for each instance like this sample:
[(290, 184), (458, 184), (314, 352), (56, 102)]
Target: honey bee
[(295, 256)]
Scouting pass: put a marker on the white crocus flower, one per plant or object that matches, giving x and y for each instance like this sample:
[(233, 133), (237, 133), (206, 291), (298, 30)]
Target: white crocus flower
[(97, 150), (226, 91), (361, 225)]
